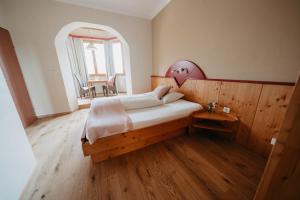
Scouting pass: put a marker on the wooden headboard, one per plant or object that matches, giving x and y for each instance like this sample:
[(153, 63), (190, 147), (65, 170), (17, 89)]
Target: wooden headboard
[(183, 70)]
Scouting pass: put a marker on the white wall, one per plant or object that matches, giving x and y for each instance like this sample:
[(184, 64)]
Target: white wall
[(232, 39), (16, 158), (3, 23), (34, 24)]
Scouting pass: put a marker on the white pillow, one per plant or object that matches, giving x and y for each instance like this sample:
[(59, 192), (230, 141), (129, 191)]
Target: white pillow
[(138, 102), (161, 90), (171, 97)]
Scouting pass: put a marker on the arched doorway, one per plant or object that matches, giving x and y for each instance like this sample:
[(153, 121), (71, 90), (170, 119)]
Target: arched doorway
[(65, 65)]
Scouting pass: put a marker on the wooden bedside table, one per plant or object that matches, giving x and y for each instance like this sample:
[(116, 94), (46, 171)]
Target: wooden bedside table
[(215, 121)]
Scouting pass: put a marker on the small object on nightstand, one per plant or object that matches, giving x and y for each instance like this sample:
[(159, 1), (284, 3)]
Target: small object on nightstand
[(226, 110), (211, 106)]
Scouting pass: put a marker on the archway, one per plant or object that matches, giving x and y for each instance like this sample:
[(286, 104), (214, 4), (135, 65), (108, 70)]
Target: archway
[(65, 65)]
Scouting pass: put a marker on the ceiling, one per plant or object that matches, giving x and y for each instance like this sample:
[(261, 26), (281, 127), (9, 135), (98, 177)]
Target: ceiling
[(88, 32), (140, 8)]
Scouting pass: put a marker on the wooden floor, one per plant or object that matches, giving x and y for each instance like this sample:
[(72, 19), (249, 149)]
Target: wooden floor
[(188, 167)]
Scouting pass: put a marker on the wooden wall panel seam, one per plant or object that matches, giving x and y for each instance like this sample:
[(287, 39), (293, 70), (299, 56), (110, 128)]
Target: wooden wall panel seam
[(254, 117), (282, 172), (269, 116)]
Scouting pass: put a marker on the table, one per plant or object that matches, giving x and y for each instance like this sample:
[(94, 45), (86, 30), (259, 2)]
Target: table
[(91, 82), (215, 121)]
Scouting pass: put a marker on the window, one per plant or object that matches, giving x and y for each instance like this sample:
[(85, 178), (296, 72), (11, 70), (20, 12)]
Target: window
[(94, 57), (117, 57), (99, 58), (89, 62)]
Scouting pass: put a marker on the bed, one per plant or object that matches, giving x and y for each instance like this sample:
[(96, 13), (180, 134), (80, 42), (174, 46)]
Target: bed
[(150, 125)]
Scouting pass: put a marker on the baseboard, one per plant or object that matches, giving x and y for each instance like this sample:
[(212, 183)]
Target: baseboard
[(52, 115), (84, 106)]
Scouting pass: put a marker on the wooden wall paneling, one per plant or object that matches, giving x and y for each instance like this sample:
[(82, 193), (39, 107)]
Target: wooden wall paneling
[(200, 91), (171, 82), (188, 89), (260, 107), (242, 98), (12, 72), (268, 119), (207, 91), (281, 178), (156, 81)]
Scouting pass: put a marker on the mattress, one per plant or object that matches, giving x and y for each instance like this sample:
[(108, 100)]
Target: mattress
[(142, 118)]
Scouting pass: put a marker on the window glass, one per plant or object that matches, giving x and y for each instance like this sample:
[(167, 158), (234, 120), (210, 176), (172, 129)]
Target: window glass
[(95, 57), (100, 58), (89, 61), (117, 57)]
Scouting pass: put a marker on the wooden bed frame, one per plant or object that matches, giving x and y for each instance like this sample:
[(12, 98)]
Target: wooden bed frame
[(115, 145), (111, 146)]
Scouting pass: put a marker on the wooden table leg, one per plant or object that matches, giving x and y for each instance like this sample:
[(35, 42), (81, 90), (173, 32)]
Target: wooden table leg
[(90, 90)]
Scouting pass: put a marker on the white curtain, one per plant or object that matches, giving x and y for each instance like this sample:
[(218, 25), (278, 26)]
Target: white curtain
[(77, 61), (121, 79), (108, 58)]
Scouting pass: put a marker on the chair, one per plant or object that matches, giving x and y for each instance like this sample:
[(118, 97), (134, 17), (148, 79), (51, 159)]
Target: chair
[(84, 88), (110, 86)]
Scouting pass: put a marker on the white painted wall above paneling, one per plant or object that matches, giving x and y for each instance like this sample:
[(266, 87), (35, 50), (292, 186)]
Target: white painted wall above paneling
[(232, 39)]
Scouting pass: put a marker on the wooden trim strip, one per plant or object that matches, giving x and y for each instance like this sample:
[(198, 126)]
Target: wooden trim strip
[(256, 82), (92, 38), (240, 81)]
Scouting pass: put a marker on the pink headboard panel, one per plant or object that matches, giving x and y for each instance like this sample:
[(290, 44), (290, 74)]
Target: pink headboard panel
[(183, 70)]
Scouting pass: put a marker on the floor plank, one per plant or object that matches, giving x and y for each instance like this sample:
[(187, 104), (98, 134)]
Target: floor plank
[(199, 166)]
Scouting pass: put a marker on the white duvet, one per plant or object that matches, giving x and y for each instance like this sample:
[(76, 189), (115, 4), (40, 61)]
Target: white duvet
[(142, 118), (142, 111)]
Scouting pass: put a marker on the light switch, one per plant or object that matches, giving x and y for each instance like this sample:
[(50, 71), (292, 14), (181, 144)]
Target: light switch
[(273, 141)]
